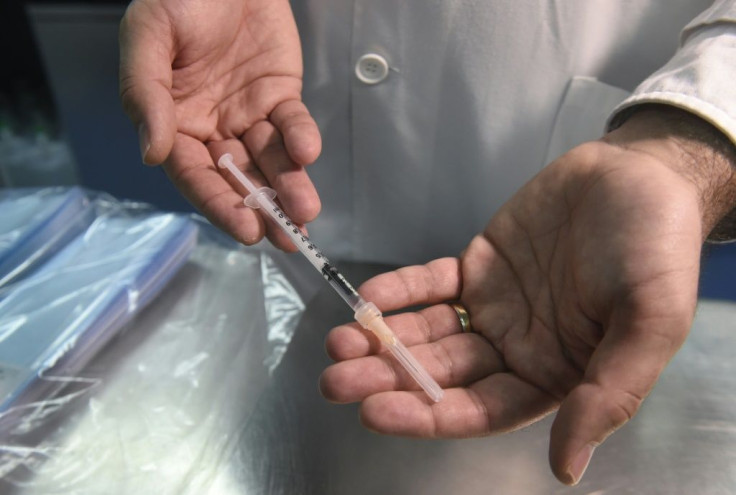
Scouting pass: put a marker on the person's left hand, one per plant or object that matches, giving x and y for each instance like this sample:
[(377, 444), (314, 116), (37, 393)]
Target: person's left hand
[(580, 290)]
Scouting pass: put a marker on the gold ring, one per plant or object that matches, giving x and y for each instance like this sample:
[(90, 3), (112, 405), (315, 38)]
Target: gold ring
[(463, 315)]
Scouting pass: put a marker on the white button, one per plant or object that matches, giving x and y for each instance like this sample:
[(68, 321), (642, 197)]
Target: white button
[(371, 68)]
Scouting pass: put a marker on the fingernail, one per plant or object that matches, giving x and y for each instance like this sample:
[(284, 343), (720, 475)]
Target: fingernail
[(580, 463), (144, 141)]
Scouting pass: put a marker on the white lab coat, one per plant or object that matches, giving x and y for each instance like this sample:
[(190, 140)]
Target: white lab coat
[(479, 96)]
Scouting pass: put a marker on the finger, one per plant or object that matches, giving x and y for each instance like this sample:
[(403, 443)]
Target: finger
[(291, 182), (301, 134), (236, 148), (192, 171), (456, 360), (421, 327), (499, 403), (621, 373), (146, 47), (437, 281)]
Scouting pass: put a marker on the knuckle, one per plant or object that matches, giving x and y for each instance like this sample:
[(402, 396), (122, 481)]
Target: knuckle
[(423, 327), (414, 287), (443, 358), (623, 406), (127, 98)]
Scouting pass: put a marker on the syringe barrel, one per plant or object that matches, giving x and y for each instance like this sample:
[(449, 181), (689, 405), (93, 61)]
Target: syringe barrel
[(264, 199)]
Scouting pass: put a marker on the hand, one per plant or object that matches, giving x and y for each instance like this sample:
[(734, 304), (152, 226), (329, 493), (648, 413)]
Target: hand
[(579, 291), (200, 78)]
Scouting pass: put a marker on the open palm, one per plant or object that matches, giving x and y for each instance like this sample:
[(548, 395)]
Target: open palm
[(580, 290), (202, 78)]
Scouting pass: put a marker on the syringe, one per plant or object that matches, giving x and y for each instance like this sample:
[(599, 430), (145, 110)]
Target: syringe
[(366, 313)]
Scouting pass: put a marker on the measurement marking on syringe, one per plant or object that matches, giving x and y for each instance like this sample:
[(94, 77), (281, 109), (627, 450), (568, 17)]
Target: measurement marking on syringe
[(304, 239)]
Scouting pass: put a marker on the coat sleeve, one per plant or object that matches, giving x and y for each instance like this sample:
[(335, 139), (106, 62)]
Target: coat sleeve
[(701, 76)]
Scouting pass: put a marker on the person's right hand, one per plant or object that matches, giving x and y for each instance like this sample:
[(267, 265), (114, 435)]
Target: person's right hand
[(580, 290), (201, 78)]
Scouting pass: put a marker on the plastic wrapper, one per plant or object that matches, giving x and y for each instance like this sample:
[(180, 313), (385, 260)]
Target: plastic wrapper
[(53, 321), (35, 224), (155, 410)]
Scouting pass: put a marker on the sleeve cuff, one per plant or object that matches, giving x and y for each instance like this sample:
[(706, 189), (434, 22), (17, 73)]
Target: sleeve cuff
[(699, 79)]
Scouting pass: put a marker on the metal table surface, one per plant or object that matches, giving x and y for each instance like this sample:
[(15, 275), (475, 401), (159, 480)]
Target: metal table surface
[(683, 441), (185, 405)]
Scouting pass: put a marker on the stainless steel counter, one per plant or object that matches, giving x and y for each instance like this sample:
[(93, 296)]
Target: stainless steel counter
[(184, 405), (682, 442)]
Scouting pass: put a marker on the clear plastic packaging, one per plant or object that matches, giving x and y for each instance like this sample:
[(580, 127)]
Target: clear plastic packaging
[(53, 321), (154, 410), (35, 224)]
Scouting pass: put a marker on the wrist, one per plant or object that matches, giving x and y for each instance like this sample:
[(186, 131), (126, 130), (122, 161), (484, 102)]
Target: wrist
[(693, 148)]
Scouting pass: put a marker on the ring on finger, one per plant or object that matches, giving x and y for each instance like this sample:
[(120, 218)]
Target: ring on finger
[(463, 316)]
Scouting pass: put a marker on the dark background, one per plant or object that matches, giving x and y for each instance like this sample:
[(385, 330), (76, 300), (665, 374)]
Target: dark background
[(62, 59)]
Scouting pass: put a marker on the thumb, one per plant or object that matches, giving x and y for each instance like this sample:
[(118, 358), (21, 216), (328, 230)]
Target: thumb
[(146, 47), (621, 372)]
